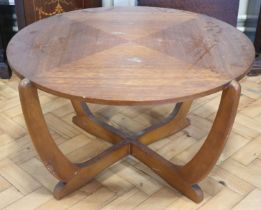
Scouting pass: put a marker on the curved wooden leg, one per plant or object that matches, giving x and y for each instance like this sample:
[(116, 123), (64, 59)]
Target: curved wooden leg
[(167, 170), (200, 166), (88, 122), (91, 168), (72, 176), (175, 122), (184, 178), (52, 157)]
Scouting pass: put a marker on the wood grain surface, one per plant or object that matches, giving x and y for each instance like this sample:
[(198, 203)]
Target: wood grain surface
[(130, 56)]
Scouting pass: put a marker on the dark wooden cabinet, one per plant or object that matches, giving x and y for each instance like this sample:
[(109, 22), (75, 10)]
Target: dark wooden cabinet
[(258, 35), (29, 11), (226, 10), (257, 66), (7, 26)]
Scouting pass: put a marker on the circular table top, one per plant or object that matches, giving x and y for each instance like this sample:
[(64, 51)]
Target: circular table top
[(127, 56)]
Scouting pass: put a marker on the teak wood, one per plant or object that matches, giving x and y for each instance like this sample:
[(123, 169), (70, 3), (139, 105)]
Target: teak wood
[(166, 56), (158, 55), (73, 176)]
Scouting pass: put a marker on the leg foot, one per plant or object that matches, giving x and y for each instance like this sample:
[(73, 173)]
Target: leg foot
[(51, 156), (166, 170), (183, 178), (91, 168), (200, 166)]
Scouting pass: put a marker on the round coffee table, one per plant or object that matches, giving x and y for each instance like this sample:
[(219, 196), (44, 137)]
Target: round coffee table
[(130, 56)]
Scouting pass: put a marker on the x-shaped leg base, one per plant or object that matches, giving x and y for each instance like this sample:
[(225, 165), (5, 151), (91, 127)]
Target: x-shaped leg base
[(183, 178)]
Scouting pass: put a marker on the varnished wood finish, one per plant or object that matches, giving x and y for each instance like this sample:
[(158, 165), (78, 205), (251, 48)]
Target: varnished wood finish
[(175, 122), (234, 183), (172, 124), (200, 166), (167, 170), (127, 67), (87, 121), (183, 178), (72, 176), (91, 168), (52, 158), (159, 55)]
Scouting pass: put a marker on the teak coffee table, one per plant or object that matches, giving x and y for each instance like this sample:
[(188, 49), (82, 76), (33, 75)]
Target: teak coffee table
[(130, 56)]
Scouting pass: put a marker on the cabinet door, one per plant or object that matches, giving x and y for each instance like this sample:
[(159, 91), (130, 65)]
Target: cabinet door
[(92, 3), (28, 11)]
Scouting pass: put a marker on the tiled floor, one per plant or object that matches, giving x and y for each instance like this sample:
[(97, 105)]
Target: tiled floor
[(235, 182)]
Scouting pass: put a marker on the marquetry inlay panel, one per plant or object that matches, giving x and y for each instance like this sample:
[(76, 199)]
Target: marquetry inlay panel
[(45, 8), (29, 11)]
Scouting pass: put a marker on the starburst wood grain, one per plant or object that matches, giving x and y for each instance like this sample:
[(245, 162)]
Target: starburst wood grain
[(198, 68), (131, 55)]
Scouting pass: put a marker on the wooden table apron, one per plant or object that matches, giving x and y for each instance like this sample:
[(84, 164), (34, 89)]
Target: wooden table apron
[(130, 56)]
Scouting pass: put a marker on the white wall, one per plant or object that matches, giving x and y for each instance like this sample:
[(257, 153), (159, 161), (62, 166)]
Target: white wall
[(118, 3)]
